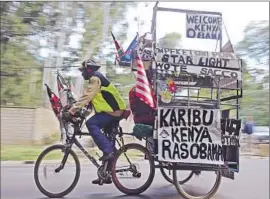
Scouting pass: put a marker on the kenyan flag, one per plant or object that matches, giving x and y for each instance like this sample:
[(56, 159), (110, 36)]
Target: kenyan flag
[(119, 48)]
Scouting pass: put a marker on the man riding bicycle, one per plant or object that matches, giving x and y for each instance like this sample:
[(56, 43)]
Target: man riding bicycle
[(107, 103)]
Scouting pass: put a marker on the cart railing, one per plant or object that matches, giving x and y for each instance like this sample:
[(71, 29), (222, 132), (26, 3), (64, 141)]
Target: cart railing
[(186, 88)]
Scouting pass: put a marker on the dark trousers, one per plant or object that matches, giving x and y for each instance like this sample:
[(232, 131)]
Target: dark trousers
[(97, 122)]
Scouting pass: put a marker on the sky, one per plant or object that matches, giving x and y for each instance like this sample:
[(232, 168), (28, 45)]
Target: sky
[(236, 15)]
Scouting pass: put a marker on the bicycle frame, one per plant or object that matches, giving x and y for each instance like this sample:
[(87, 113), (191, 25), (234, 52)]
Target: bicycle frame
[(73, 140), (77, 126)]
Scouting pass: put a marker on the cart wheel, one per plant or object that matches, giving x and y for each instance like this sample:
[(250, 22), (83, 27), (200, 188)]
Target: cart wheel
[(186, 195), (168, 175)]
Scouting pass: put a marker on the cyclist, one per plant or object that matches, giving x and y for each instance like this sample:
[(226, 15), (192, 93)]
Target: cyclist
[(107, 103)]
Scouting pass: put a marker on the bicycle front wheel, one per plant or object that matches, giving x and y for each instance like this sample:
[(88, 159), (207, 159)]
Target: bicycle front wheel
[(47, 176), (132, 163)]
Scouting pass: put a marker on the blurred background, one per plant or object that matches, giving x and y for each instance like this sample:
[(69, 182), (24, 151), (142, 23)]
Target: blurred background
[(39, 38)]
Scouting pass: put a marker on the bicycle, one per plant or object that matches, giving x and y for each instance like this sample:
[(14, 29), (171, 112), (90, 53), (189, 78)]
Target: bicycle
[(112, 131)]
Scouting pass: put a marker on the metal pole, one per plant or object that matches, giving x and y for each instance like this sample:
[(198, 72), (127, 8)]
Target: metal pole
[(187, 11), (46, 72), (105, 28), (62, 37), (220, 44), (154, 17)]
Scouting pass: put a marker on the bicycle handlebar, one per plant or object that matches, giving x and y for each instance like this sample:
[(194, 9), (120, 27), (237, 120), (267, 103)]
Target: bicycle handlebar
[(79, 115)]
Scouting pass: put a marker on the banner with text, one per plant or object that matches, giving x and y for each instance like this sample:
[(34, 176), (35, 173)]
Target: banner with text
[(198, 53), (199, 58), (189, 136), (202, 26), (230, 136), (173, 69)]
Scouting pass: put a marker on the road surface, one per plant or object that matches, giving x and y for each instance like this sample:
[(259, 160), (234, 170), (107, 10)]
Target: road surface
[(251, 183)]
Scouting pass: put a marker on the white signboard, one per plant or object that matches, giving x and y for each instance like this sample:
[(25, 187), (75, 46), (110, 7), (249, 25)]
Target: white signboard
[(198, 58), (189, 136), (202, 26), (174, 69)]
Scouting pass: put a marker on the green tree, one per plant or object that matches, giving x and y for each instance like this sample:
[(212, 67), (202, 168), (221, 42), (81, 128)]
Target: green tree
[(93, 44), (20, 21), (20, 71), (255, 47), (170, 40), (94, 13)]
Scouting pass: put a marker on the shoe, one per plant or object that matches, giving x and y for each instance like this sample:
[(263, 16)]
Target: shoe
[(107, 181), (107, 156)]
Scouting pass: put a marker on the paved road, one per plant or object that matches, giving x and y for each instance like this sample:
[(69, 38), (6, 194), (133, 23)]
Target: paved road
[(251, 183)]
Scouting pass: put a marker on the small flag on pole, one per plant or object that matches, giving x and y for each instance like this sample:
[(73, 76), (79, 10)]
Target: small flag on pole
[(124, 58), (55, 101), (127, 56), (61, 83), (69, 83), (119, 48), (143, 88)]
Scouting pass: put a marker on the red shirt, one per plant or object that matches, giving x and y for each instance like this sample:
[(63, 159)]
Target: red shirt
[(142, 113)]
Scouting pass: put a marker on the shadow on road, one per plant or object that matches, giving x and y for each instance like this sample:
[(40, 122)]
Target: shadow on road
[(160, 192), (107, 196), (167, 191)]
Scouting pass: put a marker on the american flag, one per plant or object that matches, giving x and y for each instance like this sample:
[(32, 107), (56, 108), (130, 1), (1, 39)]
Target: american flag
[(143, 88)]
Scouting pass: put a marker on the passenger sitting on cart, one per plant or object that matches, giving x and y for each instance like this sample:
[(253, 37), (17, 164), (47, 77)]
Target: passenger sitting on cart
[(143, 115)]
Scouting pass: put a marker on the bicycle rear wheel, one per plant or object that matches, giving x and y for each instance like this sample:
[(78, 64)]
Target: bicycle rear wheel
[(168, 176), (54, 165), (133, 169)]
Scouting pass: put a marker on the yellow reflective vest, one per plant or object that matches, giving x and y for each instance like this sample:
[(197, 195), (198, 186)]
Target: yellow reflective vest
[(108, 99), (103, 95)]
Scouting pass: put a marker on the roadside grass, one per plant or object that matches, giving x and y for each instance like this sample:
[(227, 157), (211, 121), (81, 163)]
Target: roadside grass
[(28, 152), (20, 152), (31, 152)]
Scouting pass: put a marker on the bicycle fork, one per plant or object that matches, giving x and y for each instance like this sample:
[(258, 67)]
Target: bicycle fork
[(64, 160)]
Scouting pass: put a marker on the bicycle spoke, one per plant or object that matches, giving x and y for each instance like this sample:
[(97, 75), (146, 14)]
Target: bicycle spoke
[(124, 174), (51, 178)]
